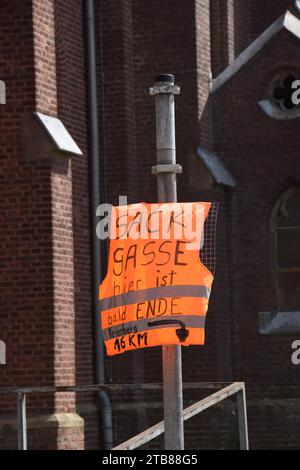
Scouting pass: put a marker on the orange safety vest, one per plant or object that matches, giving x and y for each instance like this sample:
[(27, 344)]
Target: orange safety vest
[(156, 290)]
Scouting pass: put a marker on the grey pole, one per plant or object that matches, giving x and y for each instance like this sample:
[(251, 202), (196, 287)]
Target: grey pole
[(242, 419), (166, 169), (99, 354), (22, 423)]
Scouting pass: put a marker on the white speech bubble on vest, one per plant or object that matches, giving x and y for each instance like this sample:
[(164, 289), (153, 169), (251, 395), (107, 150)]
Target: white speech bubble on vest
[(2, 352)]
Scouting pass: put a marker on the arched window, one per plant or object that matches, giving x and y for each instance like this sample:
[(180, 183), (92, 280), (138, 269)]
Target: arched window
[(285, 228)]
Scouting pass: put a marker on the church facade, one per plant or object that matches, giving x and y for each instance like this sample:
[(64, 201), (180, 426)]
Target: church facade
[(238, 142)]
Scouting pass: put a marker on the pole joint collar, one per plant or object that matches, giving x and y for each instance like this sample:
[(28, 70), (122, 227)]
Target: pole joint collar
[(166, 168), (163, 88)]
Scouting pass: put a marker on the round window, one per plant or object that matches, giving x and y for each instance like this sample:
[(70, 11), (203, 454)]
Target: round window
[(281, 92)]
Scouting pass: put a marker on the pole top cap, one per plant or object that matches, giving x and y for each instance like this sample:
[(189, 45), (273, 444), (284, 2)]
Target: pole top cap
[(165, 77)]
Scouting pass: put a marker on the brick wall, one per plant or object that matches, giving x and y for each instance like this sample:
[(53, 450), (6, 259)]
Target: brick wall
[(243, 18), (263, 14), (262, 156), (116, 99), (37, 305), (223, 29), (26, 221), (236, 23)]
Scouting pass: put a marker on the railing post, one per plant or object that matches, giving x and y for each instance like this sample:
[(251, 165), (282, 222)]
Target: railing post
[(242, 419), (21, 419)]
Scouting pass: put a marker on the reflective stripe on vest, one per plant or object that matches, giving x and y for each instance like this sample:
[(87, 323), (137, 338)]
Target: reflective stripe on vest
[(156, 290), (153, 293)]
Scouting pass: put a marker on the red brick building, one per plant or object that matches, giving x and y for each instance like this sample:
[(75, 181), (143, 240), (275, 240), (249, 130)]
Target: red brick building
[(238, 141)]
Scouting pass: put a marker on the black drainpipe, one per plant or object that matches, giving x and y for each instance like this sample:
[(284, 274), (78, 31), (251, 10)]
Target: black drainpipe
[(103, 399)]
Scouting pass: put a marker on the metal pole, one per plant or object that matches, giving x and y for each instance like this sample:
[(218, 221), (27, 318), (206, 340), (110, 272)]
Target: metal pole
[(94, 149), (166, 169), (242, 419), (21, 418)]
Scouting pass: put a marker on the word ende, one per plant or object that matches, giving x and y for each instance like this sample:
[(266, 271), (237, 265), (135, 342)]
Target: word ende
[(149, 308), (296, 354)]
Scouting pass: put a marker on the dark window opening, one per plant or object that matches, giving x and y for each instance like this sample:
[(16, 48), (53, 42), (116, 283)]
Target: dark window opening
[(285, 228)]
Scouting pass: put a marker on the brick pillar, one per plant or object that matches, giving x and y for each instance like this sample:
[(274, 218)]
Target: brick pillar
[(242, 25), (203, 65), (62, 228), (223, 33), (37, 280), (26, 320)]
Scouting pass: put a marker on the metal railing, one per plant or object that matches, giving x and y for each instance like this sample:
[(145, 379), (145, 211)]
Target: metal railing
[(237, 388)]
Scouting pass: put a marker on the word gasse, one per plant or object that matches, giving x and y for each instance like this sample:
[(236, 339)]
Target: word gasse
[(156, 291), (160, 254)]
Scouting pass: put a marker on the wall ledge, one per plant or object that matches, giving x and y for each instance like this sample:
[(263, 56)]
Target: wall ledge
[(279, 323)]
